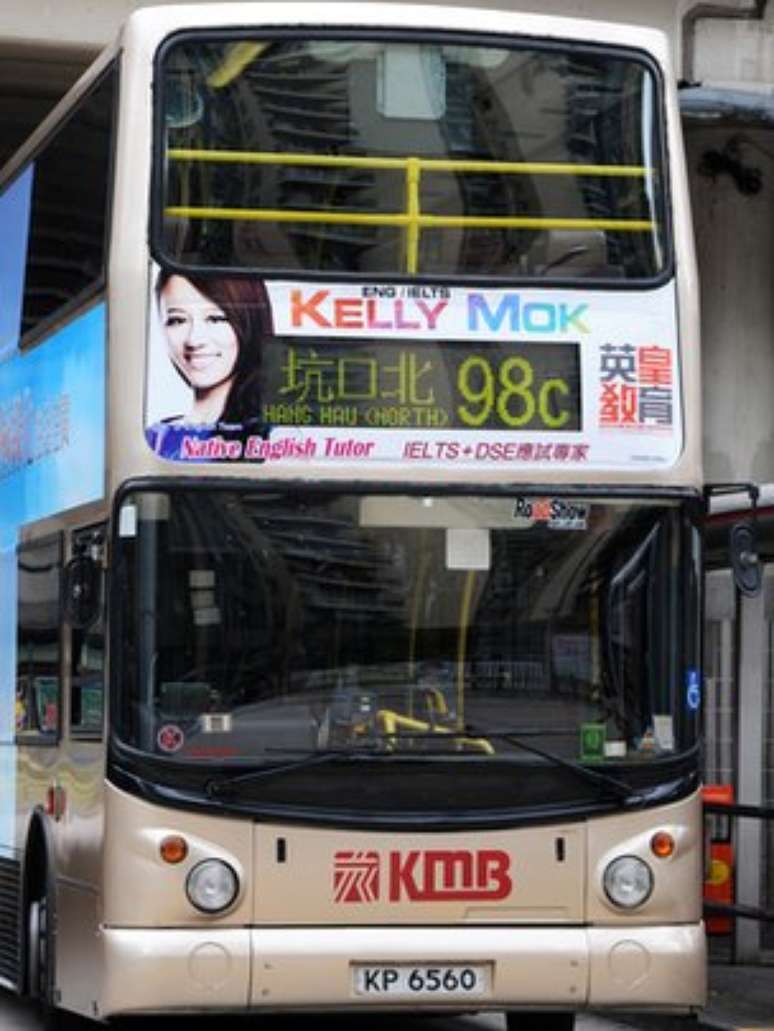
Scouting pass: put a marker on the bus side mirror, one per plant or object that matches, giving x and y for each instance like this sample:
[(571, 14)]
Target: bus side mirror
[(745, 561), (743, 539), (81, 591)]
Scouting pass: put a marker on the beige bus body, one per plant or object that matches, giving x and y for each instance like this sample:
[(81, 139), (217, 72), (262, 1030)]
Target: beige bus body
[(555, 942), (128, 941)]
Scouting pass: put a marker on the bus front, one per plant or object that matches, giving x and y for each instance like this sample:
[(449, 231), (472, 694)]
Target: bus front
[(406, 553)]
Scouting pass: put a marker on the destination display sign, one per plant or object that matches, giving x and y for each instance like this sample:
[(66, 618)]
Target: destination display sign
[(423, 384), (309, 375)]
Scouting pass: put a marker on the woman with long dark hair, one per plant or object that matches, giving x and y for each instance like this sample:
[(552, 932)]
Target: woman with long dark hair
[(214, 328)]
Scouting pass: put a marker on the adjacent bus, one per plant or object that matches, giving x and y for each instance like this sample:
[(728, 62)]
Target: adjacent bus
[(350, 497)]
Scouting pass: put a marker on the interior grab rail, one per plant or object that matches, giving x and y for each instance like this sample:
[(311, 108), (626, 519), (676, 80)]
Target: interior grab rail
[(411, 219)]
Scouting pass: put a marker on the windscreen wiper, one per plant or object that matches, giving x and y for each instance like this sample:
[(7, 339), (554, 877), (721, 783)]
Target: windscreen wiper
[(618, 787), (217, 787)]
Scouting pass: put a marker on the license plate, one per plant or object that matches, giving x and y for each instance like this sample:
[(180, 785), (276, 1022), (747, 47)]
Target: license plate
[(409, 981)]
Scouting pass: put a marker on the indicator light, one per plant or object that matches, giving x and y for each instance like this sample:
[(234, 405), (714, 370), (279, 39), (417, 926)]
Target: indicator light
[(173, 849), (662, 844)]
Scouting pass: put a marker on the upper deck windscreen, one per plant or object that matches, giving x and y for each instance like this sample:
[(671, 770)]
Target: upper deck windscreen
[(412, 157)]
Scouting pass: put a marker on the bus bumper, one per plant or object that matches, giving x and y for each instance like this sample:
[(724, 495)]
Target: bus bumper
[(238, 969)]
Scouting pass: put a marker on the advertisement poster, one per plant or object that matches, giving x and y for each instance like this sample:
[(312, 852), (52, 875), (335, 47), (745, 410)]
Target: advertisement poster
[(52, 457), (15, 220), (52, 423), (243, 370)]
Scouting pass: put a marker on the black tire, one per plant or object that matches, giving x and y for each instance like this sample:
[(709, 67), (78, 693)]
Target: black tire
[(38, 946), (40, 973), (537, 1021)]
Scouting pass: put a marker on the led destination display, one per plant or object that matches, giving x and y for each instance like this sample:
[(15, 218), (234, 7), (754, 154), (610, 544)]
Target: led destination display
[(430, 384)]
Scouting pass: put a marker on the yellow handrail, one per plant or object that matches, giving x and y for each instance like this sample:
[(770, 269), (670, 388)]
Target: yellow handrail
[(411, 219), (250, 157), (413, 226), (392, 722), (435, 700), (424, 221)]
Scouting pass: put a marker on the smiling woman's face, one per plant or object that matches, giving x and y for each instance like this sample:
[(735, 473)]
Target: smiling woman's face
[(202, 342)]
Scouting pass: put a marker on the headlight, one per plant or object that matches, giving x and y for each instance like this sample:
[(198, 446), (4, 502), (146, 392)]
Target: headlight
[(212, 885), (628, 882)]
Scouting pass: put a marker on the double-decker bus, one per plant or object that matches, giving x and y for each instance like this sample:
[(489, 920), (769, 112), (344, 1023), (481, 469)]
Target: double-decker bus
[(350, 499)]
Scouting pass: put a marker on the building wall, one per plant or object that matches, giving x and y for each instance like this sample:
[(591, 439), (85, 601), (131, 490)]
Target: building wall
[(735, 245)]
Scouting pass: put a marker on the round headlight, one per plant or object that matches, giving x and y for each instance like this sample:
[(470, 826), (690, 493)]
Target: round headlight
[(212, 885), (628, 882)]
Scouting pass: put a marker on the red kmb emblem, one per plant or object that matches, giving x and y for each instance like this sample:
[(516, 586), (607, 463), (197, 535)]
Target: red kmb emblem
[(356, 877), (418, 875)]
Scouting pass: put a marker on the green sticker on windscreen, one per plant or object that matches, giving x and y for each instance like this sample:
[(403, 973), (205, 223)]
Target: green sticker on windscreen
[(592, 741)]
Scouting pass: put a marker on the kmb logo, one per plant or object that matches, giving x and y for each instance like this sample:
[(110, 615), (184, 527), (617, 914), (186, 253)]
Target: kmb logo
[(422, 876)]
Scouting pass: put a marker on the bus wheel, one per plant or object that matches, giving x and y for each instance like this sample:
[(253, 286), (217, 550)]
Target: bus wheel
[(39, 970), (545, 1021), (34, 948)]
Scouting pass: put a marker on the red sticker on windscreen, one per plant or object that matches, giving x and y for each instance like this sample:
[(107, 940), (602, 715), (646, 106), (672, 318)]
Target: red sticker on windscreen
[(170, 738)]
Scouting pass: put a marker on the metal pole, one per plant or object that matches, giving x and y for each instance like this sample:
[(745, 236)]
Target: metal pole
[(753, 658)]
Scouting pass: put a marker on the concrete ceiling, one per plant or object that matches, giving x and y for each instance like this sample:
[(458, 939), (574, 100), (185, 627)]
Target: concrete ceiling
[(32, 79)]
